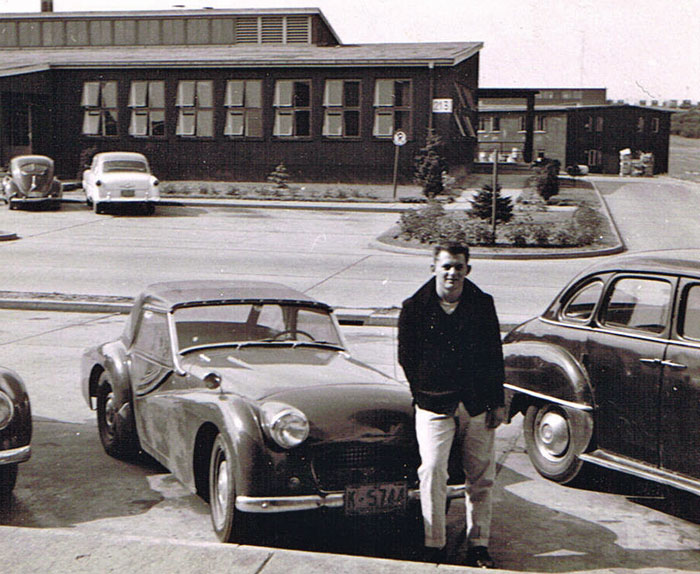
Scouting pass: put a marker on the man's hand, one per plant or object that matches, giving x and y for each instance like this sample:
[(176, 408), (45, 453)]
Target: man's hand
[(494, 417)]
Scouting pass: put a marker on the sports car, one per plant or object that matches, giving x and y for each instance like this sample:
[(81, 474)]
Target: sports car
[(247, 393)]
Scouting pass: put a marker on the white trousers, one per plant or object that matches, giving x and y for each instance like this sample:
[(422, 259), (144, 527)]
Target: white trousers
[(435, 433)]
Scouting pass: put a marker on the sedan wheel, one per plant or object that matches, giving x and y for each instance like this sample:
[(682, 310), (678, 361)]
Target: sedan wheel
[(8, 478), (549, 436), (118, 436), (230, 524)]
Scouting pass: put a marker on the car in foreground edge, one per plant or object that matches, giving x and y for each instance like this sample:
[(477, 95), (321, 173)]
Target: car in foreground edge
[(15, 429), (247, 393), (609, 373)]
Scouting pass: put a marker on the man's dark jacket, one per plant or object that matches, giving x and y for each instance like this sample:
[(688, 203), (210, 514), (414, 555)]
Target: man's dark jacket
[(452, 358)]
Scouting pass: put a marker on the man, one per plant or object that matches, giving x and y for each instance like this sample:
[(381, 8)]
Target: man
[(450, 350)]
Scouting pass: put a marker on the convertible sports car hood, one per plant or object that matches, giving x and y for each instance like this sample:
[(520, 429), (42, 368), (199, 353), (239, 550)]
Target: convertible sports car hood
[(262, 372)]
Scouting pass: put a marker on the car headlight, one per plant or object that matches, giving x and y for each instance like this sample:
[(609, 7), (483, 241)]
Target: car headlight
[(285, 425), (6, 410)]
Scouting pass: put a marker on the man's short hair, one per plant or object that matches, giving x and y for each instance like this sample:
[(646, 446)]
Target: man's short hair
[(453, 248)]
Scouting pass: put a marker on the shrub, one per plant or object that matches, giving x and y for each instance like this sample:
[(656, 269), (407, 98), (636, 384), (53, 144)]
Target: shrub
[(547, 182), (430, 165), (279, 176), (482, 204), (518, 234)]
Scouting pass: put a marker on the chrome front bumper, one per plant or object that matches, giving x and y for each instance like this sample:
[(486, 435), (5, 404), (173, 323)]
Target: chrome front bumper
[(15, 455), (270, 504)]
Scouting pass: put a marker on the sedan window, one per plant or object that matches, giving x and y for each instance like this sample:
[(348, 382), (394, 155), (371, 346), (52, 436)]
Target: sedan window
[(639, 304), (581, 305), (691, 313), (124, 165)]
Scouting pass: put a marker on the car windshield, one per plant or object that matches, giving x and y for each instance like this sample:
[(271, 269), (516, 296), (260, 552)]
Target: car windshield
[(124, 165), (210, 325)]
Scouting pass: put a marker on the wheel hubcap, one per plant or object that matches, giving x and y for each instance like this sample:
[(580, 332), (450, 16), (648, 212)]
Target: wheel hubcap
[(221, 491), (110, 412), (552, 435)]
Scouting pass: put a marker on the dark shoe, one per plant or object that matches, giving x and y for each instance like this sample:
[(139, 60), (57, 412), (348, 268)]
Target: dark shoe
[(479, 557), (434, 555)]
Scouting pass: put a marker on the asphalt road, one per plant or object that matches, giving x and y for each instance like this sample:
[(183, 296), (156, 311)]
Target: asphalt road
[(71, 486)]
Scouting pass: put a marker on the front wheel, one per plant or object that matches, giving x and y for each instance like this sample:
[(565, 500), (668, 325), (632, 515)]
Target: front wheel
[(550, 436), (230, 525), (118, 434), (8, 478)]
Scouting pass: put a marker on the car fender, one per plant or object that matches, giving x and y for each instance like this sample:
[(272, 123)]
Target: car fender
[(545, 371), (110, 357), (19, 431)]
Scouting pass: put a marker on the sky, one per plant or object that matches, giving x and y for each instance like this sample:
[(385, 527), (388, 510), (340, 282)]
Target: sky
[(637, 49)]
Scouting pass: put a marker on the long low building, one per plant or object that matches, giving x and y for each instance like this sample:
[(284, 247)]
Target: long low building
[(230, 94)]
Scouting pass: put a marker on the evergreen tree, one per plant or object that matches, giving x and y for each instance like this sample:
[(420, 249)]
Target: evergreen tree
[(279, 176), (430, 165), (482, 204)]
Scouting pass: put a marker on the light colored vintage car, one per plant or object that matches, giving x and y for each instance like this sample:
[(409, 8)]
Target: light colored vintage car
[(15, 429), (30, 181), (247, 393), (608, 374), (119, 178)]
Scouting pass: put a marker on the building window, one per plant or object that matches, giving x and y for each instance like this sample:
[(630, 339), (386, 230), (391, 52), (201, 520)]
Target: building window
[(599, 124), (341, 99), (483, 123), (655, 125), (99, 102), (540, 123), (392, 107), (243, 102), (495, 124), (640, 124), (292, 108), (195, 103), (147, 103), (594, 157), (588, 125)]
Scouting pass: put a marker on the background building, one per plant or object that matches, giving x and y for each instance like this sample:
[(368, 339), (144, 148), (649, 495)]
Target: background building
[(229, 94), (574, 126)]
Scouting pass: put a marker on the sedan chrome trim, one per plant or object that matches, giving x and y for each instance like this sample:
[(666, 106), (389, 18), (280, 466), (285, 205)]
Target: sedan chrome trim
[(15, 455), (655, 474), (578, 406), (272, 504)]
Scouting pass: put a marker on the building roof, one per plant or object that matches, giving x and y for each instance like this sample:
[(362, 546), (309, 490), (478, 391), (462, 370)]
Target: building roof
[(515, 108), (27, 60)]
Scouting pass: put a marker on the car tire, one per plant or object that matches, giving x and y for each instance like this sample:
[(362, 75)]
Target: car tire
[(230, 525), (118, 436), (150, 209), (97, 207), (549, 438), (8, 479)]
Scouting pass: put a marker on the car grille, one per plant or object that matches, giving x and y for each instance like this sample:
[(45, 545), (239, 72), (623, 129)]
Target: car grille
[(336, 466)]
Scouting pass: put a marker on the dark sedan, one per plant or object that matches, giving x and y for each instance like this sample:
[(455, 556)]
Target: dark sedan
[(247, 393), (610, 373), (15, 429)]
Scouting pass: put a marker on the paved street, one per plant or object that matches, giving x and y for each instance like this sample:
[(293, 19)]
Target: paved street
[(72, 490)]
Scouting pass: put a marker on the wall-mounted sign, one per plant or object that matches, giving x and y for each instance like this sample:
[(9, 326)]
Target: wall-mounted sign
[(442, 106)]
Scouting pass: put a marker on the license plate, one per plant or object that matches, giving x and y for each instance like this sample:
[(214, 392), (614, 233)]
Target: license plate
[(127, 193), (376, 498)]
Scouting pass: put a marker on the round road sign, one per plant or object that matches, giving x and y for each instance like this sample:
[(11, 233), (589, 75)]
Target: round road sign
[(400, 137)]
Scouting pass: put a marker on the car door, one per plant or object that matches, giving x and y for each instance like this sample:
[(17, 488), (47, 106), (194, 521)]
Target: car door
[(150, 368), (623, 356), (680, 394)]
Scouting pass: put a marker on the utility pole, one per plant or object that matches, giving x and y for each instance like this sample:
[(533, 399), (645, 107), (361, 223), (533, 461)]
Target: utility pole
[(494, 184)]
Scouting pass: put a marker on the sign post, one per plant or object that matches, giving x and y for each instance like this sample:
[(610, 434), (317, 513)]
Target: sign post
[(399, 139)]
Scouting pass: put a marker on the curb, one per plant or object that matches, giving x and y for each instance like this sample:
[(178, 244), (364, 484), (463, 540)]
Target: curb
[(359, 317), (7, 236)]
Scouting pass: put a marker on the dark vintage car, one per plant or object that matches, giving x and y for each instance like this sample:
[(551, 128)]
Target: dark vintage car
[(30, 180), (610, 373), (247, 393), (15, 429)]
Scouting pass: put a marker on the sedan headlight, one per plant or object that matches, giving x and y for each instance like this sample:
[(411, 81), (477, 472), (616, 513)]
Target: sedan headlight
[(6, 410), (285, 425)]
